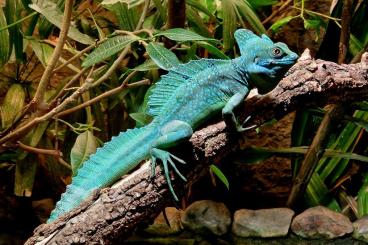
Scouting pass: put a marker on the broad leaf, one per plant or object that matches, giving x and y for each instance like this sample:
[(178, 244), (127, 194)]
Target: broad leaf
[(183, 35), (27, 163), (107, 49), (213, 50), (43, 51), (163, 57), (85, 145), (13, 104), (146, 66), (53, 14), (141, 118), (127, 18)]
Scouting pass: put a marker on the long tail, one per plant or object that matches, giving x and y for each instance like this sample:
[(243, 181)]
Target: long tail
[(108, 164)]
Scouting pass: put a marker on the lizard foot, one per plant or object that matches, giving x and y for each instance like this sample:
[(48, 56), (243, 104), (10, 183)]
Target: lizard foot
[(166, 158), (240, 128)]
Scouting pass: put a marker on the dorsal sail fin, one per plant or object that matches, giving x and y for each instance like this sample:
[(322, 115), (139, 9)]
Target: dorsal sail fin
[(176, 77)]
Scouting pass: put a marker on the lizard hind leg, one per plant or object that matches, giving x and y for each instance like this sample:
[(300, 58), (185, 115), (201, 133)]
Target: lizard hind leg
[(171, 134)]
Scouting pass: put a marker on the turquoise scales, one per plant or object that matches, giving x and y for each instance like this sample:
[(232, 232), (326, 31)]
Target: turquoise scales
[(182, 100)]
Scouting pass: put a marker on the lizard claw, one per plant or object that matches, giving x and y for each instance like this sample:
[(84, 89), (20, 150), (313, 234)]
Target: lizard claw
[(167, 159), (240, 128)]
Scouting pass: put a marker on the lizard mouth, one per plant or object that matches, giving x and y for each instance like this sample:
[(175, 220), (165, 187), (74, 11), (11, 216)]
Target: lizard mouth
[(284, 61)]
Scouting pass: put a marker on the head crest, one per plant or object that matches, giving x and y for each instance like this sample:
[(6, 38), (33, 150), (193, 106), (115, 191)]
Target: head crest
[(244, 37)]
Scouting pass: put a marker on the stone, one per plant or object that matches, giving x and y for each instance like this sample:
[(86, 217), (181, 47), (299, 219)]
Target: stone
[(207, 217), (320, 222), (361, 229), (160, 226), (274, 222)]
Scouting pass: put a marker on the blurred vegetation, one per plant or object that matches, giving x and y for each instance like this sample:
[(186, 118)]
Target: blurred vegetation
[(114, 54)]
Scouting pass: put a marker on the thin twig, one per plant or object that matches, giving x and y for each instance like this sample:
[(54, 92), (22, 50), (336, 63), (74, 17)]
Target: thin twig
[(113, 67), (143, 15), (105, 95), (79, 54), (275, 13), (41, 89), (67, 85), (345, 30), (28, 148), (64, 163)]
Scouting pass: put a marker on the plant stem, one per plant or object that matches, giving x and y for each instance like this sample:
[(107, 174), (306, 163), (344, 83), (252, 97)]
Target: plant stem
[(41, 89), (105, 95), (176, 14), (275, 13), (28, 148)]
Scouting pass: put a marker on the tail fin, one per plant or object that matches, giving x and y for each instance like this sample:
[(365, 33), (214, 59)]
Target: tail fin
[(108, 164)]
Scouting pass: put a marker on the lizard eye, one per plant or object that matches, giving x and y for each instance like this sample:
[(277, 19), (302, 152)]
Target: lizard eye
[(276, 52)]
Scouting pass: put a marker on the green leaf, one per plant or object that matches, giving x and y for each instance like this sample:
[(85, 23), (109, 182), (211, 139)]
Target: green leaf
[(43, 51), (220, 175), (363, 198), (261, 3), (126, 16), (53, 14), (252, 155), (229, 23), (213, 50), (26, 165), (183, 35), (25, 171), (312, 23), (141, 118), (318, 194), (85, 145), (130, 3), (146, 66), (13, 9), (163, 57), (4, 39), (355, 46), (161, 10), (107, 49), (280, 23), (247, 12), (197, 5), (197, 23), (13, 104)]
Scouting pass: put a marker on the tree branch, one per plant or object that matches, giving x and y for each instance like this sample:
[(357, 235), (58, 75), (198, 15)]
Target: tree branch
[(111, 214)]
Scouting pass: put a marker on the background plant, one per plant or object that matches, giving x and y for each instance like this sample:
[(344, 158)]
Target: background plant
[(62, 97)]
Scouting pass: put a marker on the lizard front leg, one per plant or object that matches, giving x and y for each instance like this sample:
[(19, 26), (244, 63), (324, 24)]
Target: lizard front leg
[(171, 134), (228, 111)]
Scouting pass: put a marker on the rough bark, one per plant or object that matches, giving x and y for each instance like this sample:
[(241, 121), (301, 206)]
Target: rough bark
[(113, 213)]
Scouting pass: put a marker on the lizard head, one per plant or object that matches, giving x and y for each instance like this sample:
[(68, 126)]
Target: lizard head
[(264, 61)]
